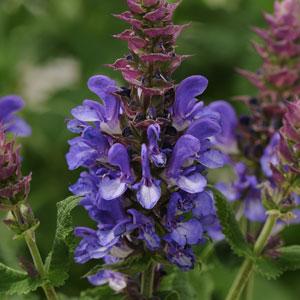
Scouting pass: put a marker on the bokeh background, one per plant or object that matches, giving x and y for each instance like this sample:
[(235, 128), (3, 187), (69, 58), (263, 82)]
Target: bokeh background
[(49, 49)]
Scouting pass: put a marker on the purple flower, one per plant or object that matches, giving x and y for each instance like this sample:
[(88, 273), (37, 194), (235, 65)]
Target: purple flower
[(188, 178), (204, 210), (114, 183), (146, 151), (246, 188), (270, 156), (86, 150), (146, 229), (107, 115), (89, 247), (115, 280), (227, 138), (186, 107), (180, 256), (148, 188), (9, 105), (157, 156), (112, 225), (179, 203), (205, 129), (187, 233)]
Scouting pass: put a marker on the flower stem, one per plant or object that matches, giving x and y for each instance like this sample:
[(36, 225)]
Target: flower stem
[(247, 267), (147, 281), (249, 288), (39, 265), (29, 237)]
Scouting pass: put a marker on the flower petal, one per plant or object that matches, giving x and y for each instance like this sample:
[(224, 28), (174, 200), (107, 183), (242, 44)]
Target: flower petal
[(186, 147), (194, 183), (186, 92), (228, 122), (90, 111), (212, 159), (190, 232), (112, 188), (118, 156), (148, 196), (204, 128), (10, 104)]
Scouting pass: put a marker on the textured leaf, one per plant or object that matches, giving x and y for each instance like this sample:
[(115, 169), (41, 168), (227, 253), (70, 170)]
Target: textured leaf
[(268, 268), (230, 226), (100, 293), (288, 259), (59, 259), (168, 295), (16, 282), (192, 285)]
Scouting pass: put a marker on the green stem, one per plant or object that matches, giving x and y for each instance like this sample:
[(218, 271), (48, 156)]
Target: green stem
[(29, 237), (147, 281), (247, 267), (39, 265), (249, 288)]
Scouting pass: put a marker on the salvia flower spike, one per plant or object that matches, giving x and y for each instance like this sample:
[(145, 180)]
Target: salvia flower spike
[(277, 80), (146, 150), (279, 76)]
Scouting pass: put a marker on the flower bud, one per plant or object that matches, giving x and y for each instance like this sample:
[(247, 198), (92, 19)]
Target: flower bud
[(13, 186), (279, 76)]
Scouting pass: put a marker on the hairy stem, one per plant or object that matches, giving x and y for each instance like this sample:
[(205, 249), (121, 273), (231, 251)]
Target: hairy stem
[(249, 288), (147, 281), (29, 237), (247, 267)]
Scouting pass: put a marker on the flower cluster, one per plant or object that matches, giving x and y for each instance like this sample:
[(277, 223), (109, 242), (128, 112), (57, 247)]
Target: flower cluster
[(245, 189), (13, 186), (279, 76), (277, 80), (264, 143), (281, 158), (9, 105), (146, 150)]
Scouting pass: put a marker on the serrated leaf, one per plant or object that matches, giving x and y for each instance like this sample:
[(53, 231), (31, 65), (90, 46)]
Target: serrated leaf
[(192, 285), (288, 260), (59, 259), (230, 226), (100, 293), (17, 282), (290, 256), (268, 267), (168, 295)]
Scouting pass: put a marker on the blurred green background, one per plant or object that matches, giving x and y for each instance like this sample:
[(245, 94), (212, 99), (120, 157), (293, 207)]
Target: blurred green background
[(49, 49)]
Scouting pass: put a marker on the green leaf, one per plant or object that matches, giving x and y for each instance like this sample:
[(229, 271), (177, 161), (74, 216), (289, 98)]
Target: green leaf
[(288, 260), (290, 257), (168, 295), (230, 226), (268, 267), (100, 293), (192, 285), (16, 282), (59, 259)]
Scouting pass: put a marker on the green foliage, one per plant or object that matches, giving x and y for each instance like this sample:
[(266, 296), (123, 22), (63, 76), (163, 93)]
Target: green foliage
[(192, 285), (100, 293), (288, 258), (58, 261), (16, 282), (230, 226)]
